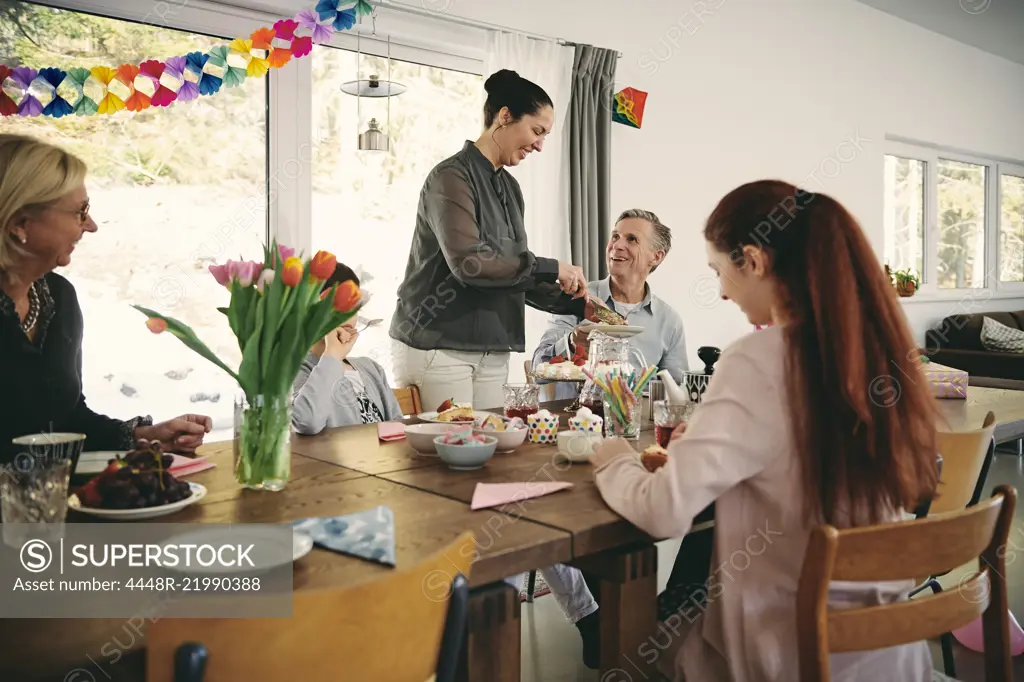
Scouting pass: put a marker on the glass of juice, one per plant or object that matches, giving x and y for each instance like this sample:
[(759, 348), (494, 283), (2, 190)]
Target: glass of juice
[(667, 417), (522, 400)]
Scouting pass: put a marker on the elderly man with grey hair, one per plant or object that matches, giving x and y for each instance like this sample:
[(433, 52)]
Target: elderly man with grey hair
[(638, 244)]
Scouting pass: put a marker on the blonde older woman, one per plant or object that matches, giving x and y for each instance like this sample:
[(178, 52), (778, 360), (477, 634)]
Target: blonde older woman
[(44, 212)]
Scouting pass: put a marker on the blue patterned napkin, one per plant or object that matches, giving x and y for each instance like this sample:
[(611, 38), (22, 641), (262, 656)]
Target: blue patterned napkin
[(367, 534)]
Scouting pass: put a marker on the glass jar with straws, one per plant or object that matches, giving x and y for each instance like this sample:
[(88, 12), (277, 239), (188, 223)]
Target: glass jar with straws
[(622, 400)]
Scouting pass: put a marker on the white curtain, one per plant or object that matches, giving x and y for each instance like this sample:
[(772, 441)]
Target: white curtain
[(543, 177)]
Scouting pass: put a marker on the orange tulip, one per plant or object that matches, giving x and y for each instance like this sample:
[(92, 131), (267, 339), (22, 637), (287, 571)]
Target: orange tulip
[(346, 297), (291, 275), (322, 265), (156, 325)]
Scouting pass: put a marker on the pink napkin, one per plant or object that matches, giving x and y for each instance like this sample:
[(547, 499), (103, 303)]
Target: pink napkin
[(496, 494), (388, 431), (185, 466)]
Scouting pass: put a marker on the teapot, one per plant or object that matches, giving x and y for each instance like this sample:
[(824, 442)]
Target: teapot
[(694, 383)]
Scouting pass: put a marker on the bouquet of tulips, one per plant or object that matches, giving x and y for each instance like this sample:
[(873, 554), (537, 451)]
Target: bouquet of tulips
[(277, 313)]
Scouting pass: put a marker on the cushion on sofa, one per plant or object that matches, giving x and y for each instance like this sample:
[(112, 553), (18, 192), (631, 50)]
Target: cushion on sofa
[(963, 332), (1001, 338)]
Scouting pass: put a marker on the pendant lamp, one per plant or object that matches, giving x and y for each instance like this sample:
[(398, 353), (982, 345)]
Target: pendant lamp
[(374, 138)]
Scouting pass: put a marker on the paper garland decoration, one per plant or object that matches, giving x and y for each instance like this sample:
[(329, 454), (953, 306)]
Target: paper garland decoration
[(629, 107), (367, 534), (152, 83)]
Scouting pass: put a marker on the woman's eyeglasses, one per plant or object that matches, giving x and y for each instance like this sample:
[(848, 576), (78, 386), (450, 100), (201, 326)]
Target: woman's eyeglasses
[(82, 213)]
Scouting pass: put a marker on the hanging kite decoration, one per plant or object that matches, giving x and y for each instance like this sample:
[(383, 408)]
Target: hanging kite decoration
[(628, 107), (106, 90)]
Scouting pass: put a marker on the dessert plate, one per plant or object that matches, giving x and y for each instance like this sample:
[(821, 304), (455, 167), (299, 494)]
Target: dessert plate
[(432, 417), (621, 331)]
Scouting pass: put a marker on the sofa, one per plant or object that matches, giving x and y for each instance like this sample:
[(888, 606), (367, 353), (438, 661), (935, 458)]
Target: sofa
[(956, 342)]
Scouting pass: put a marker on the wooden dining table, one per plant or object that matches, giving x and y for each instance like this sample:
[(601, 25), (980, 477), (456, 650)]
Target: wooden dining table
[(347, 470)]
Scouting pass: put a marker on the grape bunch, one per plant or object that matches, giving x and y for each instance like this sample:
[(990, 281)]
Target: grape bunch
[(139, 479)]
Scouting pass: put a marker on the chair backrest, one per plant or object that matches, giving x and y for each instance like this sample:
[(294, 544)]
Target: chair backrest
[(924, 547), (966, 456), (386, 630), (408, 399)]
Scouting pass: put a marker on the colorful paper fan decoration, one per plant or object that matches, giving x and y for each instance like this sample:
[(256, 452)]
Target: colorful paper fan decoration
[(155, 83), (629, 107)]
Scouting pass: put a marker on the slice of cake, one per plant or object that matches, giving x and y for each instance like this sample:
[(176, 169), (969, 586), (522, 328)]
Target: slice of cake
[(654, 457), (493, 423), (456, 413)]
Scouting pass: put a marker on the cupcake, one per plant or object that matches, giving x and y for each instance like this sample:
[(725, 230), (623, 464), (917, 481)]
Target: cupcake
[(587, 421)]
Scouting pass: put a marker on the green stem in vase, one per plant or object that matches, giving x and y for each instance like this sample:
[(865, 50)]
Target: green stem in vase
[(263, 442)]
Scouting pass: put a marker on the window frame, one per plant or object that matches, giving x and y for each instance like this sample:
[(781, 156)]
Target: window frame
[(290, 139), (1016, 170), (994, 169)]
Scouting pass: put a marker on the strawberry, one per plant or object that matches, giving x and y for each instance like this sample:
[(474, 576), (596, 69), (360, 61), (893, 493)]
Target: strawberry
[(556, 360), (447, 405), (579, 362)]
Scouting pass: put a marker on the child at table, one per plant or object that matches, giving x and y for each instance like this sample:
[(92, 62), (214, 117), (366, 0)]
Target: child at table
[(334, 389)]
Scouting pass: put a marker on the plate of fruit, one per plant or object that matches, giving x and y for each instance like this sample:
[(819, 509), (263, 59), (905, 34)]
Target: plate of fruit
[(136, 486), (451, 412)]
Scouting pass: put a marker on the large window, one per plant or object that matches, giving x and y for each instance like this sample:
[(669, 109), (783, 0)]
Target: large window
[(364, 202), (173, 190), (958, 221)]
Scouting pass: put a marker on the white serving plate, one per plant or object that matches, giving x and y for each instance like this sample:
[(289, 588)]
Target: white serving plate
[(621, 331), (198, 493), (432, 417), (238, 534)]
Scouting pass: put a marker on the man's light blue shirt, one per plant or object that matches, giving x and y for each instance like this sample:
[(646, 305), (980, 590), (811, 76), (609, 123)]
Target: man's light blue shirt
[(662, 342)]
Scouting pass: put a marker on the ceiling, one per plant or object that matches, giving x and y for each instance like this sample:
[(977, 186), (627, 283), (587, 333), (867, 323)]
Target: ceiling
[(995, 26)]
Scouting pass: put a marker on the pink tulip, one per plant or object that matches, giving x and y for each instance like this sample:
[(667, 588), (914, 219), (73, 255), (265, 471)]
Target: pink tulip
[(245, 271), (221, 274), (286, 252)]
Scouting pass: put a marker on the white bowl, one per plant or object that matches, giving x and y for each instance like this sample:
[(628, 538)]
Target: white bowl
[(466, 457), (578, 446), (421, 436), (507, 440)]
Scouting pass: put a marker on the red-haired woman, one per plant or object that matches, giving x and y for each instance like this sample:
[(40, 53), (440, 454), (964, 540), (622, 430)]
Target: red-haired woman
[(823, 417)]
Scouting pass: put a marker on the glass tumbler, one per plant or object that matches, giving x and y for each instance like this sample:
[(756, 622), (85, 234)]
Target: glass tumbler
[(622, 425), (34, 494), (521, 400), (667, 417)]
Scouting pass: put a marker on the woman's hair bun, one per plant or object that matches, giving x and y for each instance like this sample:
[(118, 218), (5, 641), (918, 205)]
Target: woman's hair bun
[(500, 80)]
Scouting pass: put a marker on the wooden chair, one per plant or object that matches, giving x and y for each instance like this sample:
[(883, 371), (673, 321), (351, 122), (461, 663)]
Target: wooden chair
[(923, 546), (966, 458), (408, 399), (404, 627)]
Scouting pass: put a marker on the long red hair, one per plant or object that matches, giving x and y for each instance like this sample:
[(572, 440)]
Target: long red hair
[(862, 415)]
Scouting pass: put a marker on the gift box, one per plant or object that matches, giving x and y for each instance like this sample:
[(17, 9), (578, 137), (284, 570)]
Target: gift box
[(946, 382), (543, 428)]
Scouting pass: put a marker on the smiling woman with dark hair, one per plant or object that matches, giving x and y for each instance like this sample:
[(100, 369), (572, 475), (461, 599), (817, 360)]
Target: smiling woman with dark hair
[(334, 389), (461, 308)]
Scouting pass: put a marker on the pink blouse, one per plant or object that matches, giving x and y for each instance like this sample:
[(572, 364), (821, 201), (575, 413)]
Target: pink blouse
[(738, 451)]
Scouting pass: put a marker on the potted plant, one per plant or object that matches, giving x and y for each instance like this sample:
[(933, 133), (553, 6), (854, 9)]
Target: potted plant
[(906, 282), (277, 312)]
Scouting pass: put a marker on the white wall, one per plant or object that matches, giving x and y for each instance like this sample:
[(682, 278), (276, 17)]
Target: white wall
[(748, 89)]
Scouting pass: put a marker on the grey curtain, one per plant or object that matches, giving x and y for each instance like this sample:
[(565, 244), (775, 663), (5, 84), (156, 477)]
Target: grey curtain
[(590, 157)]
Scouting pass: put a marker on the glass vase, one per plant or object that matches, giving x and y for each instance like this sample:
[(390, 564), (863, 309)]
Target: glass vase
[(621, 425), (263, 451)]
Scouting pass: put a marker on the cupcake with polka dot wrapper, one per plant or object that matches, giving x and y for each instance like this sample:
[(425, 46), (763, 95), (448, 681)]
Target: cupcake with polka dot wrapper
[(543, 427)]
